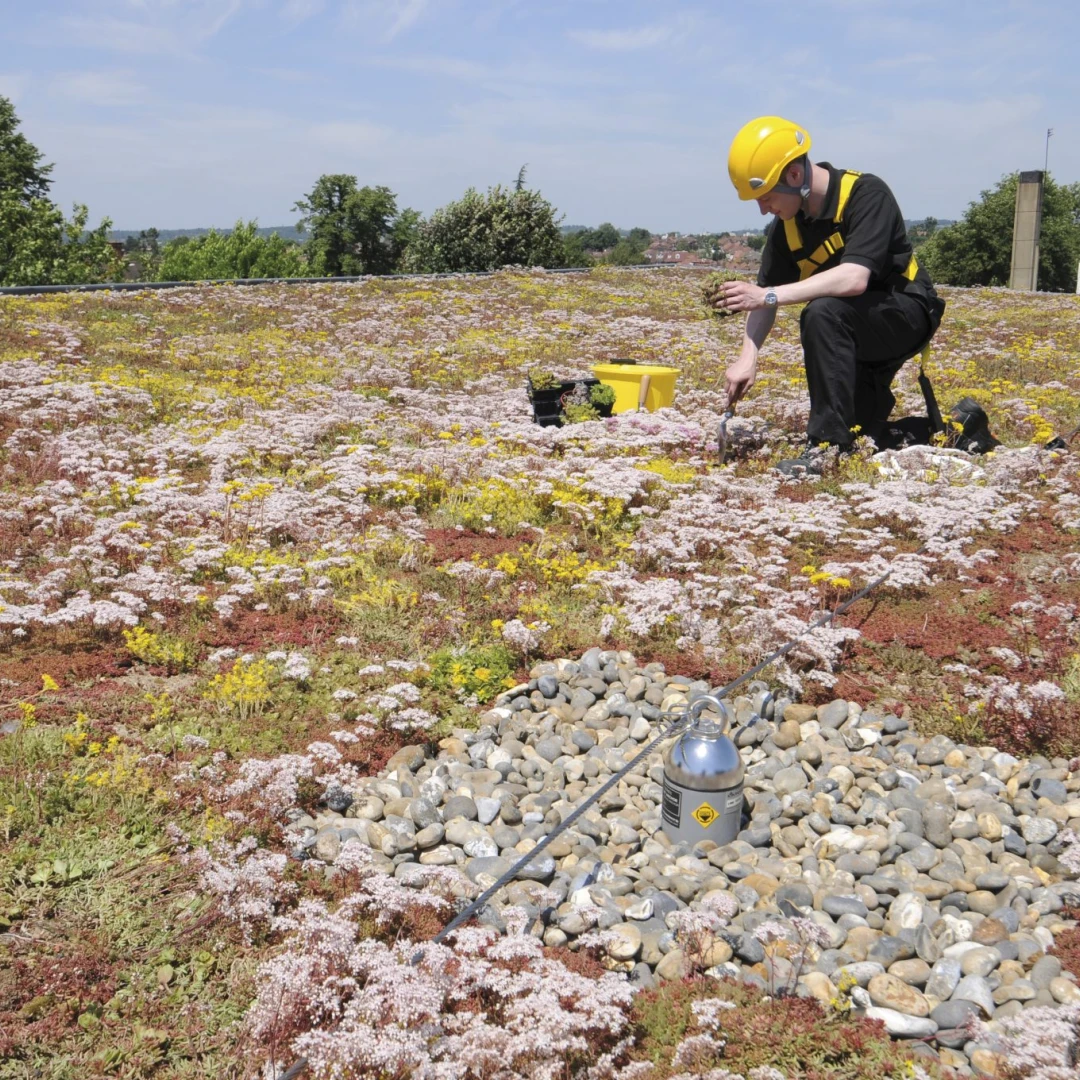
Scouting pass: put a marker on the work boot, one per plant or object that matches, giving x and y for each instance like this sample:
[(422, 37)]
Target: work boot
[(806, 464), (810, 462)]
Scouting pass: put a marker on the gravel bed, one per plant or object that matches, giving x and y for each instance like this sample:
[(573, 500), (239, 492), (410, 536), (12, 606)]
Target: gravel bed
[(918, 879)]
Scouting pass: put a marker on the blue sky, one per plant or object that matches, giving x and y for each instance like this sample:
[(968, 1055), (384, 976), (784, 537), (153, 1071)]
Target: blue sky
[(182, 113)]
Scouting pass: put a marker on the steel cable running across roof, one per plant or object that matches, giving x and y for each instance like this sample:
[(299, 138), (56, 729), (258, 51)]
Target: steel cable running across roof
[(674, 722)]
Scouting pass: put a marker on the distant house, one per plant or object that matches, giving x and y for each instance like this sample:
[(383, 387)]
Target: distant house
[(738, 254), (660, 253)]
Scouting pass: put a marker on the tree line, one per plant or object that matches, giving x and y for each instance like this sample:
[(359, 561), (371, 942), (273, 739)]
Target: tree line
[(348, 229), (351, 229), (977, 250), (38, 245)]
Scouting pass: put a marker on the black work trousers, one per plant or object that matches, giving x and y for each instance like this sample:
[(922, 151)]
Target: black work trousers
[(853, 346)]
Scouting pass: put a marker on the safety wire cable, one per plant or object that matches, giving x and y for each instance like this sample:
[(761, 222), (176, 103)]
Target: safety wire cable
[(673, 723)]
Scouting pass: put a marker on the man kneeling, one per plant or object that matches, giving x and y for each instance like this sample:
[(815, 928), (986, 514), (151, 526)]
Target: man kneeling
[(838, 244)]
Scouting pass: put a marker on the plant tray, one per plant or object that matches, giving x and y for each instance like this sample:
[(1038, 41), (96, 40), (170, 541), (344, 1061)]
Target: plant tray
[(548, 403)]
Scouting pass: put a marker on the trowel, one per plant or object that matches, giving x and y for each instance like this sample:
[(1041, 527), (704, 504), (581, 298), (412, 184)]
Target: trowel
[(722, 436)]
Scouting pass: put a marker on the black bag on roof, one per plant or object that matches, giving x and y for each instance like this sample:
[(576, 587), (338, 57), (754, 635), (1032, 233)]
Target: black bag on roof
[(969, 428)]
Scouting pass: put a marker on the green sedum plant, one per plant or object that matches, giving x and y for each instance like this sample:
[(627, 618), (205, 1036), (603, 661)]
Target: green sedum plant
[(484, 672), (602, 395), (712, 290), (579, 414), (542, 379)]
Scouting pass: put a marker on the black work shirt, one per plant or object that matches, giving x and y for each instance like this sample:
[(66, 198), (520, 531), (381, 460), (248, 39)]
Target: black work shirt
[(872, 227)]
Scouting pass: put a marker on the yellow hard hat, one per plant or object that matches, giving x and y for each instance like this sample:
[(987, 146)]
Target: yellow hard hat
[(761, 152)]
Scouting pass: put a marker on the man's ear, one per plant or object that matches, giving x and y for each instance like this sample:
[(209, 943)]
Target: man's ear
[(795, 174)]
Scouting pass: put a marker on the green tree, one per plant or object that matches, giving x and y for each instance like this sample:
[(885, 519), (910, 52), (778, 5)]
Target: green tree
[(624, 253), (145, 250), (354, 230), (21, 171), (241, 253), (403, 232), (574, 254), (146, 240), (601, 238), (629, 250), (978, 249), (755, 241), (39, 247), (921, 231), (485, 232)]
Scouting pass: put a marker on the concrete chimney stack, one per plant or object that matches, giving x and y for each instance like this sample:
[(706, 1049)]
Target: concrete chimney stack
[(1027, 220)]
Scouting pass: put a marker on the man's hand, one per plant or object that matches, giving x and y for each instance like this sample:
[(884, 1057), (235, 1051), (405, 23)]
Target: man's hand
[(740, 377), (741, 296)]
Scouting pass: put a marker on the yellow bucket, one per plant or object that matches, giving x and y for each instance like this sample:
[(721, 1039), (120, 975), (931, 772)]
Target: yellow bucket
[(651, 386)]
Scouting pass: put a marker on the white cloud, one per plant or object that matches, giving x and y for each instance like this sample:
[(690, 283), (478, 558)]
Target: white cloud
[(480, 86), (963, 147), (166, 28), (644, 37), (388, 18), (101, 88), (12, 86), (405, 14), (224, 13), (905, 60), (642, 114), (289, 75), (119, 35), (447, 66), (350, 136), (295, 12)]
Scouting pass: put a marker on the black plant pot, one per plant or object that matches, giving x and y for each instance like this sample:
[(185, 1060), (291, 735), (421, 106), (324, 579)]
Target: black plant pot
[(549, 393), (548, 403)]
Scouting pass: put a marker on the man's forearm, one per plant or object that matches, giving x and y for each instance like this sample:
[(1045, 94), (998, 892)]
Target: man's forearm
[(847, 279), (742, 374), (758, 325)]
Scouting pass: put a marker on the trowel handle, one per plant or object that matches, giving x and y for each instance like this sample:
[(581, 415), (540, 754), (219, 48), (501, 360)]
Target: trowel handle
[(643, 391)]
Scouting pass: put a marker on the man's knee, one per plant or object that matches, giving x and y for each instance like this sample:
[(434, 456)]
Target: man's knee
[(826, 311)]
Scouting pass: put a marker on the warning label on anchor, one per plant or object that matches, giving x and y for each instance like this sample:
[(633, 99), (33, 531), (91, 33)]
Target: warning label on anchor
[(705, 815)]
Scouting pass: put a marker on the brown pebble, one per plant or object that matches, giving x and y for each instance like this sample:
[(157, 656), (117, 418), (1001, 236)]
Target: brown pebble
[(990, 932)]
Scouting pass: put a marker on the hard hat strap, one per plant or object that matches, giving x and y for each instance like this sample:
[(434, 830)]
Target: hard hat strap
[(804, 190)]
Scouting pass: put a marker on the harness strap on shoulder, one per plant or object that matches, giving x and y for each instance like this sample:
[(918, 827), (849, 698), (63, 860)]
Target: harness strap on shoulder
[(847, 182), (793, 236), (933, 410), (810, 264)]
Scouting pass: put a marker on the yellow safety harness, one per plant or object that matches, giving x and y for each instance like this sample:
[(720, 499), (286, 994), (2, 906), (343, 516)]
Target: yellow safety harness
[(826, 253), (823, 254)]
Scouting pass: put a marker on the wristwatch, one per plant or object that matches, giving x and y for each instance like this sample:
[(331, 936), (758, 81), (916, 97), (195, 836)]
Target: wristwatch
[(771, 299)]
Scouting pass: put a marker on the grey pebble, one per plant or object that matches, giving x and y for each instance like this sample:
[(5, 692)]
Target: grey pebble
[(850, 819)]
